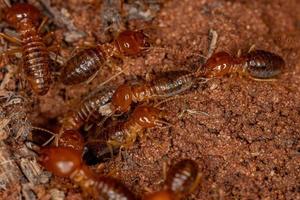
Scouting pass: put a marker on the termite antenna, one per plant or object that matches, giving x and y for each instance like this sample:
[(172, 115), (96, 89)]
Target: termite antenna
[(168, 99), (161, 123), (33, 147), (5, 4), (212, 40), (54, 135), (111, 78), (177, 52)]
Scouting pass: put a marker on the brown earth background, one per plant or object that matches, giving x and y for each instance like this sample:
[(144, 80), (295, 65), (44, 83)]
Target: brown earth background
[(247, 140)]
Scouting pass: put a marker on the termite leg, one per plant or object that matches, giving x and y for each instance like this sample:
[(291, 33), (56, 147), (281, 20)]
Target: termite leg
[(44, 21), (9, 52), (251, 48), (164, 169), (80, 48), (239, 53), (50, 35), (196, 182), (11, 38), (262, 80), (92, 77)]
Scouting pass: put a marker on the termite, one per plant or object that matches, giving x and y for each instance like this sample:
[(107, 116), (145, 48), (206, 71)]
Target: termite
[(257, 64), (67, 162), (88, 108), (166, 85), (123, 134), (72, 139), (88, 62), (182, 179), (24, 18)]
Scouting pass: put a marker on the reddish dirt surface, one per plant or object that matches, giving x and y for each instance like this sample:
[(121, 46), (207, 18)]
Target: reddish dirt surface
[(247, 143)]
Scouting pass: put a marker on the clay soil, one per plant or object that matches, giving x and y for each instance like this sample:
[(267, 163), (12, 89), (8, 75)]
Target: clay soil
[(244, 134)]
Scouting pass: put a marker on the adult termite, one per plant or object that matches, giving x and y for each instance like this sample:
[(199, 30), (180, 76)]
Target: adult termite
[(88, 62), (124, 133), (165, 85), (24, 18), (257, 64), (67, 162), (182, 179)]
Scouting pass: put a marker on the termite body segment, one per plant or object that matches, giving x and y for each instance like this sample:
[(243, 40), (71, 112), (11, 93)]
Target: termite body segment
[(124, 134), (24, 18), (182, 179), (86, 63), (89, 108), (167, 85), (258, 64), (66, 162)]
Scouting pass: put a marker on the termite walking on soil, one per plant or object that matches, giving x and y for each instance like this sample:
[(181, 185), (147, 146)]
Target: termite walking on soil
[(167, 85), (67, 162), (24, 18), (182, 179), (124, 133), (88, 62), (257, 64)]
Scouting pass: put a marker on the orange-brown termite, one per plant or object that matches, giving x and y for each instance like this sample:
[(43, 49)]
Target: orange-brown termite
[(166, 85), (124, 133), (257, 64), (67, 162), (182, 179), (88, 62), (24, 18)]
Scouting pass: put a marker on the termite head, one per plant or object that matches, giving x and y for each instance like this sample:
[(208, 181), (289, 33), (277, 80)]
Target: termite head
[(147, 116), (131, 43), (122, 98), (61, 161), (218, 64), (22, 12)]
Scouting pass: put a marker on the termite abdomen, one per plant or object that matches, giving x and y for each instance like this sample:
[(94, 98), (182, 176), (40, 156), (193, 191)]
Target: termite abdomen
[(24, 18), (112, 189), (88, 110), (86, 63), (183, 177), (82, 66), (263, 64)]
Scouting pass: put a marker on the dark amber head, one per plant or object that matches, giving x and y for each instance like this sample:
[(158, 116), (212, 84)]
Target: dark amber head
[(146, 116), (22, 12), (61, 161), (131, 43), (218, 64), (122, 98)]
